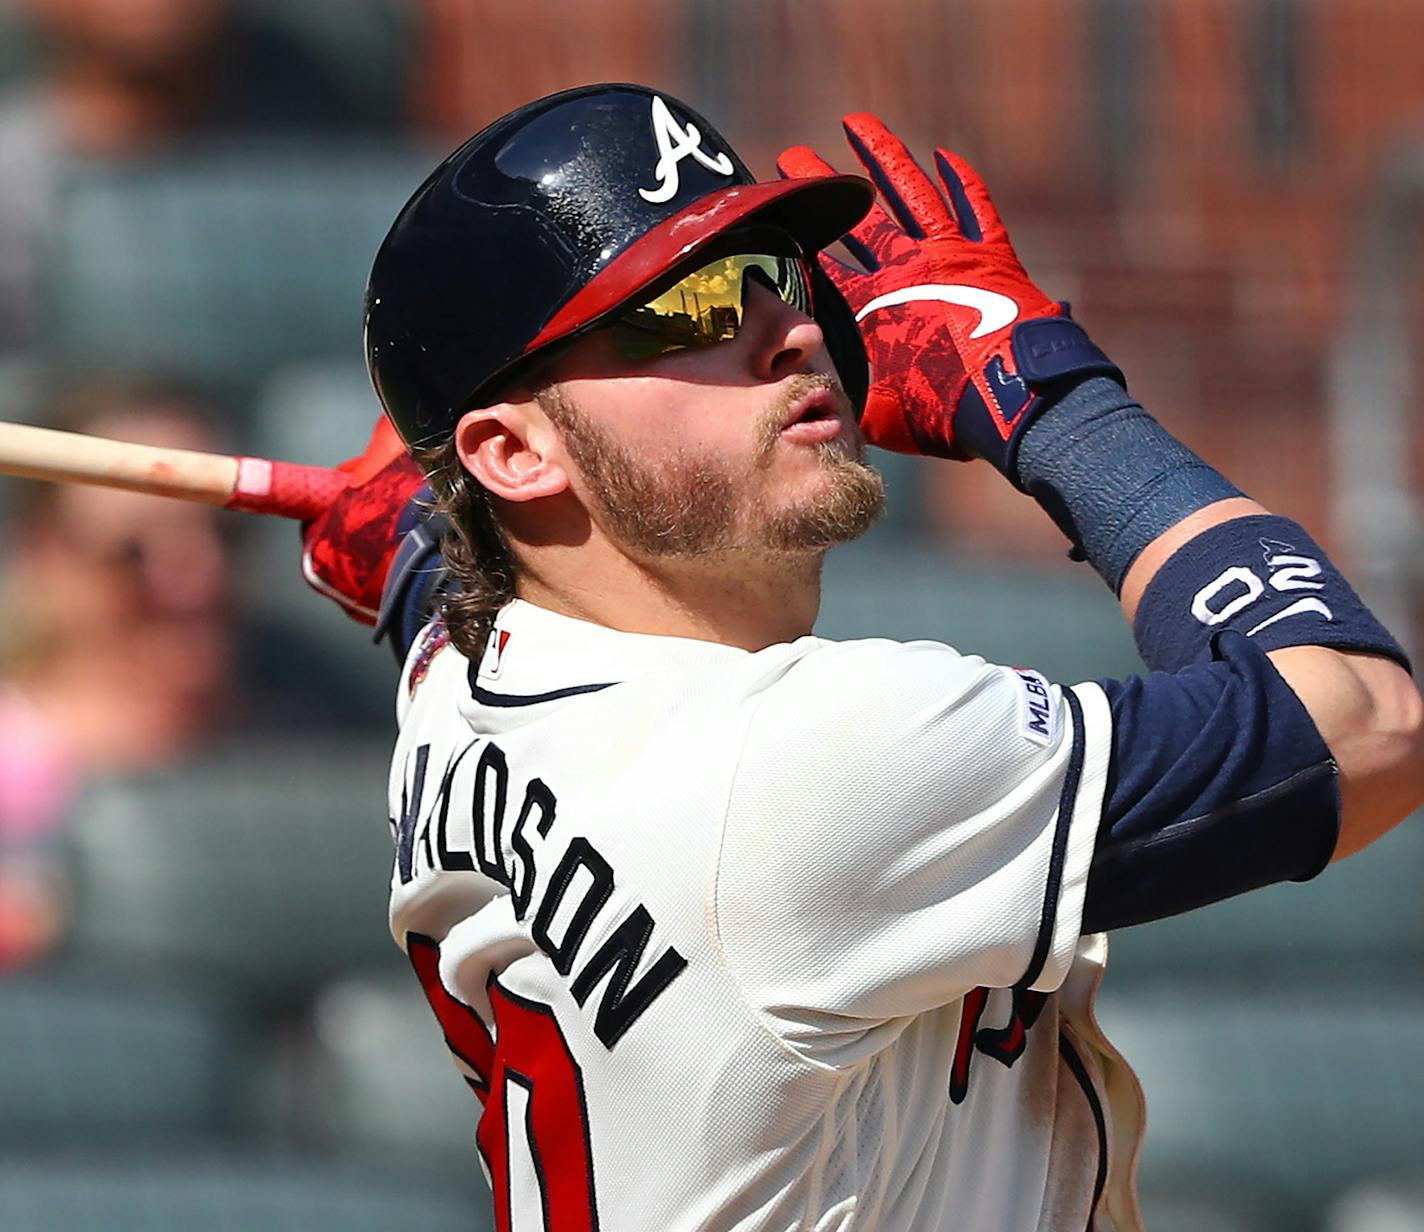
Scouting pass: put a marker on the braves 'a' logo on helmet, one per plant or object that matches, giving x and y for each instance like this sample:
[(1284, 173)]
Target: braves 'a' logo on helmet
[(676, 142)]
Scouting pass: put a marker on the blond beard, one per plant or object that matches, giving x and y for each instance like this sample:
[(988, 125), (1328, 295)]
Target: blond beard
[(689, 505)]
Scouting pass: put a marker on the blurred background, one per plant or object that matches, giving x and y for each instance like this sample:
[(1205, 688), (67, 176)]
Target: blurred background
[(202, 1017)]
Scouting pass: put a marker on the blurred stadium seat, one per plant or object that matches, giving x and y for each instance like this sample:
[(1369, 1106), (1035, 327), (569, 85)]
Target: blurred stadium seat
[(89, 1060), (364, 46), (226, 261), (262, 871), (1199, 1208), (1395, 1205), (389, 1085), (1063, 622), (19, 49), (317, 412), (183, 1192), (1293, 1092)]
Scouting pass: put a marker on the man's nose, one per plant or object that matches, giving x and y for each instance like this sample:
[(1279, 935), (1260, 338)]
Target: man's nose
[(786, 339)]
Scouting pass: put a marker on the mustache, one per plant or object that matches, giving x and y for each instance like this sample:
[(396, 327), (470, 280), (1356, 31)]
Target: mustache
[(769, 426)]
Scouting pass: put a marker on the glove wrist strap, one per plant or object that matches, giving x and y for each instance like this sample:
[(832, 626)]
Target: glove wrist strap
[(1051, 355), (1048, 349)]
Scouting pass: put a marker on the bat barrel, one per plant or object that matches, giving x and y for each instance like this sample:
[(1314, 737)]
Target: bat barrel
[(72, 457)]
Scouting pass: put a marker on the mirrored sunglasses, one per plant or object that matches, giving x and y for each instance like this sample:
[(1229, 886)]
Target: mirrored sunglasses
[(708, 305)]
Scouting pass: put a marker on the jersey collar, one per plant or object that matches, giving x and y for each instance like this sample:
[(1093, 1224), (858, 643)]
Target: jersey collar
[(535, 656)]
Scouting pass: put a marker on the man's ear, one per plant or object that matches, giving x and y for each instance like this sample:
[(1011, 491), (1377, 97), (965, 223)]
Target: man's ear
[(510, 451)]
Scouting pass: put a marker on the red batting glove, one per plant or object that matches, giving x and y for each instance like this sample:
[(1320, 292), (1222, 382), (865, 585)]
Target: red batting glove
[(962, 345), (349, 548)]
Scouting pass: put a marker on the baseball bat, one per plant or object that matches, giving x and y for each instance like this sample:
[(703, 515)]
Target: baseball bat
[(253, 485)]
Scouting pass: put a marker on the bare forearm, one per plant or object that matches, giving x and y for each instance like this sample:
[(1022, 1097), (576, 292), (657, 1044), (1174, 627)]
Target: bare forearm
[(1370, 715)]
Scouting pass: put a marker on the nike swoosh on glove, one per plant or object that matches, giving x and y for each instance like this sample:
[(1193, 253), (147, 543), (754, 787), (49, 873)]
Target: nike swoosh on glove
[(965, 351)]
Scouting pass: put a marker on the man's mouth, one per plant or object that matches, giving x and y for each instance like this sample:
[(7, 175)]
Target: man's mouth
[(813, 417)]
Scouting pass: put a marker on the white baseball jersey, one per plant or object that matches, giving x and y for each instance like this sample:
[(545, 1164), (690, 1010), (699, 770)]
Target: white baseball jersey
[(776, 941)]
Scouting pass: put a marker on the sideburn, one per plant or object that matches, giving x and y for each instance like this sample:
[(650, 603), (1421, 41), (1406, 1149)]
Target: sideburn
[(684, 510)]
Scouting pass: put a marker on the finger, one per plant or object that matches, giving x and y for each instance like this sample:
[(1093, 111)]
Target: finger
[(884, 422), (801, 162), (909, 193), (978, 219)]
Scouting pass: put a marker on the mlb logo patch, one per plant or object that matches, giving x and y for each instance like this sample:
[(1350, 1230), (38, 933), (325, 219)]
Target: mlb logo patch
[(1038, 717)]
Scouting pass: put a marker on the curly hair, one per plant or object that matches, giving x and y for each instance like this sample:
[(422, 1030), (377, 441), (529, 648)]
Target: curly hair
[(477, 555)]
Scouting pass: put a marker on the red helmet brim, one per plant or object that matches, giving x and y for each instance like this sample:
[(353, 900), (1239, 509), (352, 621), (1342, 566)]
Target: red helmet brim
[(816, 212)]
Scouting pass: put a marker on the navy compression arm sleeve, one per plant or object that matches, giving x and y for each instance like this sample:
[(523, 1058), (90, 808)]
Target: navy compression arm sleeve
[(1219, 783)]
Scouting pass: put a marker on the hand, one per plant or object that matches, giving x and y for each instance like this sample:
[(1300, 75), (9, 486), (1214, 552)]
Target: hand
[(963, 347), (349, 548)]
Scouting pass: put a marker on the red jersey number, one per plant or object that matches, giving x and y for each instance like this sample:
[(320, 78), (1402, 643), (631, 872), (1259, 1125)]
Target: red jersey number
[(533, 1133)]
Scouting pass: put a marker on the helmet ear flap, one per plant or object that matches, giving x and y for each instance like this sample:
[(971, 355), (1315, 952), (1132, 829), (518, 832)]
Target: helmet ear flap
[(843, 340)]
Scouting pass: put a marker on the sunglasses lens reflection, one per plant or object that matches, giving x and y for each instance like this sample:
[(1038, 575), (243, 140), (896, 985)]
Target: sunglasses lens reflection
[(707, 305)]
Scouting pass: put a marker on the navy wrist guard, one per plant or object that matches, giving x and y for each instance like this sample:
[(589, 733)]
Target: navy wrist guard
[(1261, 576)]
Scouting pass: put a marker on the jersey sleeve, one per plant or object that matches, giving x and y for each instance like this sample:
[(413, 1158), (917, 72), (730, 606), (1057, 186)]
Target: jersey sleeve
[(1219, 783), (906, 824)]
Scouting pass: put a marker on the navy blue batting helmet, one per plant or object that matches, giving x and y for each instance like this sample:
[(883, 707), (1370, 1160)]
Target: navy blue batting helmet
[(549, 221)]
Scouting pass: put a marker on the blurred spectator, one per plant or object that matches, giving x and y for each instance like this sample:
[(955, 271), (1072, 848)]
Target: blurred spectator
[(121, 79), (116, 651)]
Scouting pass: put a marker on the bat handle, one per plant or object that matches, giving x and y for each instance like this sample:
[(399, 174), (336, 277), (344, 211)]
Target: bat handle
[(287, 489)]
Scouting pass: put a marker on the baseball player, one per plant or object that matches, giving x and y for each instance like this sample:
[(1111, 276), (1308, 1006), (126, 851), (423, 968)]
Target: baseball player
[(729, 926)]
